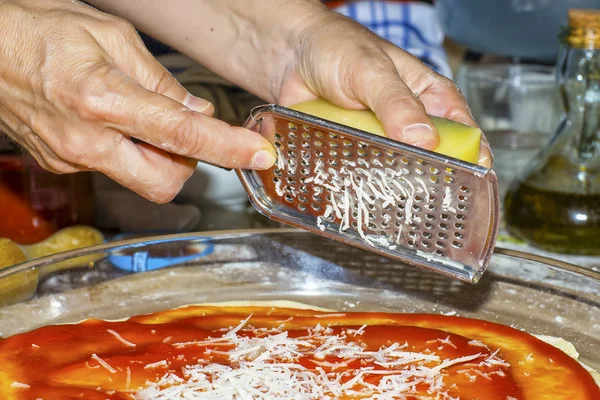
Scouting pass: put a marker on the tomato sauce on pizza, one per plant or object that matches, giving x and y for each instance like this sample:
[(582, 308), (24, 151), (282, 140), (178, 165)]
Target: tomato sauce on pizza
[(245, 352)]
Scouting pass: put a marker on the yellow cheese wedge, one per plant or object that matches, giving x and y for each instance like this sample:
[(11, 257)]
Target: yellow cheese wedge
[(456, 140)]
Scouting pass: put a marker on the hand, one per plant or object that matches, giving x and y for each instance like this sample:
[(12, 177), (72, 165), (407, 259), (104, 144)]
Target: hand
[(347, 64), (77, 86)]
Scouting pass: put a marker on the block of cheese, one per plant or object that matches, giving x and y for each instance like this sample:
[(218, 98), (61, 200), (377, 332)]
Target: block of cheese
[(456, 140)]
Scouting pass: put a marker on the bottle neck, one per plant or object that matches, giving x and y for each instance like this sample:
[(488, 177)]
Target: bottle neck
[(579, 78)]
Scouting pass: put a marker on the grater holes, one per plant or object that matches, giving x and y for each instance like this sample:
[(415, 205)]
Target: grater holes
[(460, 216), (420, 161), (371, 216), (319, 153), (371, 207), (291, 153), (376, 152), (457, 245), (302, 207), (426, 244), (411, 243), (445, 217), (434, 170), (440, 253), (277, 172), (292, 145), (442, 236), (315, 207), (427, 235), (458, 235), (347, 153), (304, 171), (419, 171), (362, 152), (319, 134), (434, 179), (302, 199), (362, 145), (292, 135), (372, 226), (461, 207), (347, 143), (450, 170), (333, 162), (278, 145), (292, 126), (459, 226), (428, 225), (306, 145), (288, 197), (291, 180), (305, 136), (444, 226), (464, 189), (418, 199), (334, 136), (440, 244), (385, 225), (304, 189), (317, 198), (318, 143), (278, 137), (404, 160), (462, 198), (306, 127), (317, 189), (354, 225), (416, 208), (333, 145), (430, 217), (448, 179), (390, 161)]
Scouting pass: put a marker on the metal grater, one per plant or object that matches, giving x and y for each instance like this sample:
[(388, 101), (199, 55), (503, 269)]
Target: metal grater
[(393, 199)]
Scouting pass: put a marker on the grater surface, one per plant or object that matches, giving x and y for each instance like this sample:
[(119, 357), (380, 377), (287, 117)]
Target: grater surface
[(371, 192)]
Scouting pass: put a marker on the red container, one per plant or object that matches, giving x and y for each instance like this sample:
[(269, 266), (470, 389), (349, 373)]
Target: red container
[(35, 203)]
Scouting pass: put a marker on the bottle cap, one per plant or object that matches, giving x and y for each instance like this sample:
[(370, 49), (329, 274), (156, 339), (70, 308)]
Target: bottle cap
[(584, 28)]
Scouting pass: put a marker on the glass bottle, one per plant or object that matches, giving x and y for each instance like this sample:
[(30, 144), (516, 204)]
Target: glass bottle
[(555, 203)]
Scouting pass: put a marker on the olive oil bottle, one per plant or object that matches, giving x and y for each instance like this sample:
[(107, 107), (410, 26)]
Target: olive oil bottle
[(555, 203)]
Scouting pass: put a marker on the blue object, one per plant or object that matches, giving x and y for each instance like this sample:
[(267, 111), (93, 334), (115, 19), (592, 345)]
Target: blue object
[(142, 261)]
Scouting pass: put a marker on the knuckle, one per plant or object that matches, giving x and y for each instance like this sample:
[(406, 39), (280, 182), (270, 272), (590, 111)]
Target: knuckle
[(185, 139), (123, 27), (165, 82)]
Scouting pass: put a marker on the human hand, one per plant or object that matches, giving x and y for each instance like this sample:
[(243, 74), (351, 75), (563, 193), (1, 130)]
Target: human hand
[(338, 59), (79, 91)]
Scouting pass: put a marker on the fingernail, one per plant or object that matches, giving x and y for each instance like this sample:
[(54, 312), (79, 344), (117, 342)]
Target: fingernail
[(420, 135), (263, 159), (196, 103)]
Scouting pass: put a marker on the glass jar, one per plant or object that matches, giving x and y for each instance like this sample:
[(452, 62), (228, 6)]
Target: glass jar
[(35, 203), (555, 203)]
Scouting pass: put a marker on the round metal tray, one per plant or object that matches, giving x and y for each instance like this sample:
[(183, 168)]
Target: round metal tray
[(125, 278)]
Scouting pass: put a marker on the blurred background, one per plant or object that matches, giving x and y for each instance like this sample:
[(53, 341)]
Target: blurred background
[(502, 55)]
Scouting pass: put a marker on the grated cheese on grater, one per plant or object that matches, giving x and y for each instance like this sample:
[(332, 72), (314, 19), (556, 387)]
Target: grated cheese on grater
[(273, 366)]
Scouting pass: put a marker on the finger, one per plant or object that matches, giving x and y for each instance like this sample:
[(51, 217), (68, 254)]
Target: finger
[(126, 49), (377, 84), (150, 172), (166, 124)]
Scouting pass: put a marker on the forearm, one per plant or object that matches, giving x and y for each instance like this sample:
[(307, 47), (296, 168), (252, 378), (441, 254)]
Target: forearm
[(246, 42)]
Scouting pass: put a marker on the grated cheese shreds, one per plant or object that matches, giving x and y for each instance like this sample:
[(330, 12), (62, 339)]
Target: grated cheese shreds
[(120, 338), (352, 190), (267, 366)]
